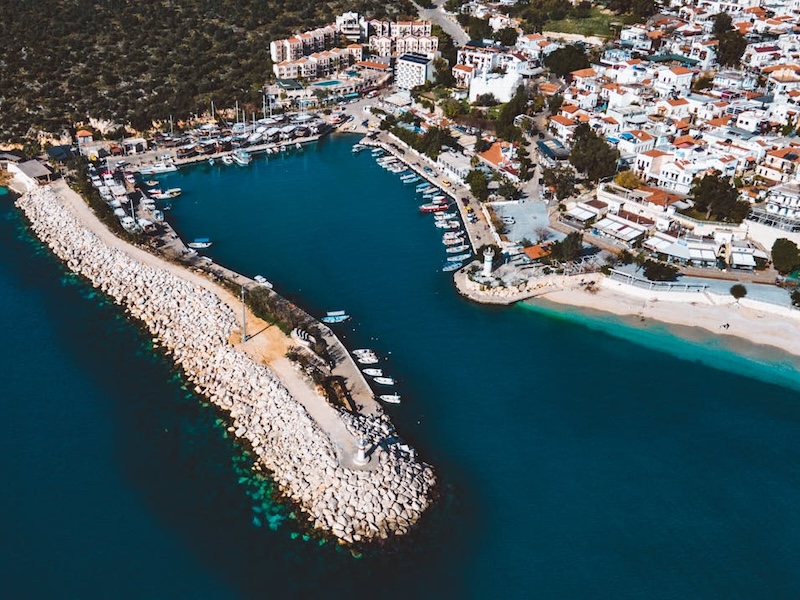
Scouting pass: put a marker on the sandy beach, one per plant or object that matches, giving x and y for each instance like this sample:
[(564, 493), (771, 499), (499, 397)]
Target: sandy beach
[(760, 325)]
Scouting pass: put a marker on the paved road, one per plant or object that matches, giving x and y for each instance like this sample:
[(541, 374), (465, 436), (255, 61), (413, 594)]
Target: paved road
[(442, 19)]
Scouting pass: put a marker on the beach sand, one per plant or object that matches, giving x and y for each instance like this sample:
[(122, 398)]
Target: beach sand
[(746, 327)]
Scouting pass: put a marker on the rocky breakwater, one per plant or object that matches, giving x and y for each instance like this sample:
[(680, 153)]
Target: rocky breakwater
[(376, 500)]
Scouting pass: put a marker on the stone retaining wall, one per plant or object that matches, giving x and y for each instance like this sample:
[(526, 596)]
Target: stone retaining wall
[(194, 325)]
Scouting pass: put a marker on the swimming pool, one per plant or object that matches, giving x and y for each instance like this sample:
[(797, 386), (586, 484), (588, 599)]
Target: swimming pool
[(328, 83)]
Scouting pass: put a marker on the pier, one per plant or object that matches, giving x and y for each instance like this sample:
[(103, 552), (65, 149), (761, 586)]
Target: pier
[(343, 470)]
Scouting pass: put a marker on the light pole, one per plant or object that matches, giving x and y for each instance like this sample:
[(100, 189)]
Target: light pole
[(244, 319)]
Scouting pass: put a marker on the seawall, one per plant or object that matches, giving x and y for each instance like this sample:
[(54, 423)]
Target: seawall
[(383, 498)]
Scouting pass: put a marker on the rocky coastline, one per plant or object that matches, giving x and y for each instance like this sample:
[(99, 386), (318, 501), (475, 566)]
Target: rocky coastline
[(383, 498)]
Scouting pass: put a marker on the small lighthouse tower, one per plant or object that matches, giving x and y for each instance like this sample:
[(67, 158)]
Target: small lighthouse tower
[(488, 255), (361, 455)]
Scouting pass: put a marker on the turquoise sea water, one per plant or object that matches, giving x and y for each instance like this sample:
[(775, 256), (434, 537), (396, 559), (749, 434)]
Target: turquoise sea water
[(580, 457)]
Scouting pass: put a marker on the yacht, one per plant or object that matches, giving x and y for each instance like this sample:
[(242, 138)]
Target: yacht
[(390, 398), (164, 166), (241, 157)]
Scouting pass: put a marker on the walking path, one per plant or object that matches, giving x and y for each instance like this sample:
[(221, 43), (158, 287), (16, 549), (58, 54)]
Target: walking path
[(266, 344)]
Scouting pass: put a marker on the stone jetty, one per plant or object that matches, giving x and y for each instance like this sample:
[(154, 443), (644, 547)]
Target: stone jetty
[(383, 497)]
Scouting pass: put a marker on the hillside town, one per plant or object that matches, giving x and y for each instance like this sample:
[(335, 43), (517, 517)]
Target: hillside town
[(701, 92)]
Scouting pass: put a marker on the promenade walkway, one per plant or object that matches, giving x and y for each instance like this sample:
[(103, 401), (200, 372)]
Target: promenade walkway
[(265, 343)]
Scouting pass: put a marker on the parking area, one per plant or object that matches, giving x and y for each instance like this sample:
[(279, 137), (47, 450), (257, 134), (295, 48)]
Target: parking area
[(526, 220)]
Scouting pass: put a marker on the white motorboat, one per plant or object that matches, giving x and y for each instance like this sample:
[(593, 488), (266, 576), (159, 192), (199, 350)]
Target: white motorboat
[(227, 160), (383, 380), (373, 372), (241, 157), (165, 166), (261, 280), (457, 249), (390, 398)]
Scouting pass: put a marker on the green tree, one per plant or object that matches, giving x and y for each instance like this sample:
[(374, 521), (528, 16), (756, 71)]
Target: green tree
[(591, 154), (567, 249), (561, 178), (785, 255), (478, 184), (795, 297), (732, 45), (506, 36), (738, 291), (507, 190), (628, 180), (722, 24), (554, 103), (658, 271), (719, 199), (479, 29), (504, 125), (565, 60)]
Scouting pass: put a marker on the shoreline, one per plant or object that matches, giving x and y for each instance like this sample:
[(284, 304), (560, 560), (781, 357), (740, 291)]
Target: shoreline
[(691, 316), (308, 447)]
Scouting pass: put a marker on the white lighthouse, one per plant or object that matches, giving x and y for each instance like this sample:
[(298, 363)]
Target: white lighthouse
[(361, 455), (488, 255)]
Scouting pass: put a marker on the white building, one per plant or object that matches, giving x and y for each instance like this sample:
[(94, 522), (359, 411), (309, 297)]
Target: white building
[(413, 70), (455, 166), (501, 86)]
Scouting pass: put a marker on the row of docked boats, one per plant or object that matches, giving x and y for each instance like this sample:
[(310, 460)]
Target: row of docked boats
[(454, 239), (365, 356)]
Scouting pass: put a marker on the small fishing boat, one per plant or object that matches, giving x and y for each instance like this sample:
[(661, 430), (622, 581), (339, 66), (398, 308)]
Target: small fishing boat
[(241, 157), (383, 380), (451, 235), (457, 249), (459, 258), (166, 195), (151, 183), (227, 160), (261, 280), (456, 241), (211, 161), (431, 207), (373, 372), (452, 266), (390, 398), (335, 316), (165, 166), (200, 243), (365, 356)]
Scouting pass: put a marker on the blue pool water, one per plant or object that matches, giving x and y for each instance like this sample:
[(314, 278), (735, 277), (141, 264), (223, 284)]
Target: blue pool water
[(327, 83)]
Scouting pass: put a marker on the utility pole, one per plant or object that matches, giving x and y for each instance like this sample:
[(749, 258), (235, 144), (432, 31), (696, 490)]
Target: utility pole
[(244, 319)]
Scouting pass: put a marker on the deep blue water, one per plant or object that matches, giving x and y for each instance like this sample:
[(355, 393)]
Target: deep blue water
[(579, 457)]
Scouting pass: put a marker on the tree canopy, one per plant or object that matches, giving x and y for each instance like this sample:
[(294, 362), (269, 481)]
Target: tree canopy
[(561, 178), (732, 45), (785, 256), (567, 249), (565, 60), (64, 60), (478, 184), (591, 154), (719, 199), (722, 24), (658, 271)]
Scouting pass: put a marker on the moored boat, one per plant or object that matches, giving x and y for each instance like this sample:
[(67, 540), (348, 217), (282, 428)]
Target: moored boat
[(241, 157), (200, 243), (459, 257), (390, 398), (227, 160), (452, 266), (165, 166), (430, 207), (335, 316), (383, 380), (261, 280), (457, 249), (373, 372), (453, 241)]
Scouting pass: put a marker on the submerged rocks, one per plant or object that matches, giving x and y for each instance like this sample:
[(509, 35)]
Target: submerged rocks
[(194, 325)]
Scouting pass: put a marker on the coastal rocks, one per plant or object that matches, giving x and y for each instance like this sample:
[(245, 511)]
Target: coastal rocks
[(194, 325)]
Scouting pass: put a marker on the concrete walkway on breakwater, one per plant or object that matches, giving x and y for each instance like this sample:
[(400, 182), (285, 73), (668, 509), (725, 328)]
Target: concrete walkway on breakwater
[(195, 321)]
